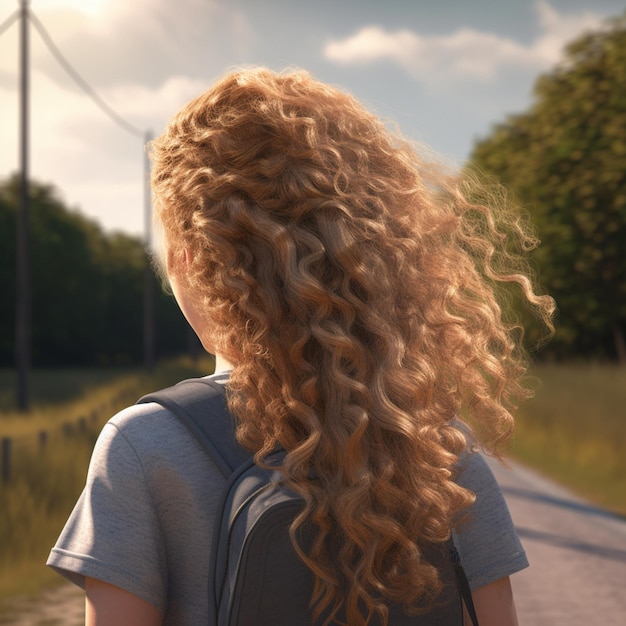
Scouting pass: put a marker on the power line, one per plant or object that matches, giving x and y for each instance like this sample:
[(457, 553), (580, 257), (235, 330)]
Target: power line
[(80, 81), (23, 305), (23, 308), (8, 22)]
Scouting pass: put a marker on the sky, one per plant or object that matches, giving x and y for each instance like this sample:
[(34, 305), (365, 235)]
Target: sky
[(445, 71)]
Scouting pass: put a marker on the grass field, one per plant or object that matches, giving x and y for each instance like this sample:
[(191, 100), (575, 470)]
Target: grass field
[(574, 430), (47, 479)]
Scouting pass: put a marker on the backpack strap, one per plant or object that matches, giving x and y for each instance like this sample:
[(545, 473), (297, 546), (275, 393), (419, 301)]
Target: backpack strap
[(464, 588), (200, 403)]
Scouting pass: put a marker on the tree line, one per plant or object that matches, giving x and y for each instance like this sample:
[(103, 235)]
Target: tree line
[(86, 288), (565, 160)]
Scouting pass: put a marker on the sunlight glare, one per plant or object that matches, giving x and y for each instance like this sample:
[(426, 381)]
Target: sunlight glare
[(92, 8)]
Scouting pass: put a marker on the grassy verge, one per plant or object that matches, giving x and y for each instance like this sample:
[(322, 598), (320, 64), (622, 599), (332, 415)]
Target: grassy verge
[(56, 386), (47, 478), (574, 431)]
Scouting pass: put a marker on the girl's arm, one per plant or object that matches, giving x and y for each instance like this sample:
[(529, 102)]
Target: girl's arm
[(494, 605), (107, 605)]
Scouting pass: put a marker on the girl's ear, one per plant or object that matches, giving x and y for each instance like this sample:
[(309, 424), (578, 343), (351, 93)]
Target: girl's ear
[(178, 261)]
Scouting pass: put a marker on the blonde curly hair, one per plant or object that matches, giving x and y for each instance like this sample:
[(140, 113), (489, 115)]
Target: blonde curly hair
[(355, 288)]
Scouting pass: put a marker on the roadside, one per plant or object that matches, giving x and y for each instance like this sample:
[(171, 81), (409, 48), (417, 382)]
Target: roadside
[(61, 606)]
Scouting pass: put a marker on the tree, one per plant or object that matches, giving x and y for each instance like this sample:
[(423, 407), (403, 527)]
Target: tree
[(565, 159), (86, 288)]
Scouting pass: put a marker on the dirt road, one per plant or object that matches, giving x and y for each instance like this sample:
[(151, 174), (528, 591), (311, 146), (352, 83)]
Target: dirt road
[(577, 553)]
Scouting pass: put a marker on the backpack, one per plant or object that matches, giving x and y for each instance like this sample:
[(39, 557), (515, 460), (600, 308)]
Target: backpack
[(256, 577)]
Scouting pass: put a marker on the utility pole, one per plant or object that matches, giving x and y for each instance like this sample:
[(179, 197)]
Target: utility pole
[(23, 308), (148, 278)]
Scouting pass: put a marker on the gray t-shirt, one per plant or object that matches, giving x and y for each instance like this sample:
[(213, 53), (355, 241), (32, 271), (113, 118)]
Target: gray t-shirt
[(144, 519)]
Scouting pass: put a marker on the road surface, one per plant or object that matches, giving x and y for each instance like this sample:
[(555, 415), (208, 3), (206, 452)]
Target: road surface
[(577, 554)]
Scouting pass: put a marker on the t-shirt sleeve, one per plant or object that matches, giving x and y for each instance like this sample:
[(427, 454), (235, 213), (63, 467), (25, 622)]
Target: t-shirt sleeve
[(486, 539), (113, 533)]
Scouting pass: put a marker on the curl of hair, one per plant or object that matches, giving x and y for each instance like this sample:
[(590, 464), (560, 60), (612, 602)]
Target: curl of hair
[(357, 290)]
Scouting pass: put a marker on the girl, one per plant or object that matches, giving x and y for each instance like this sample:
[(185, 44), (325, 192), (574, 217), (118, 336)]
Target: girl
[(352, 295)]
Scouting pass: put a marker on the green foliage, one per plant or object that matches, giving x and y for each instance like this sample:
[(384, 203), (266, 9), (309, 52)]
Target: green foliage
[(565, 159), (87, 288)]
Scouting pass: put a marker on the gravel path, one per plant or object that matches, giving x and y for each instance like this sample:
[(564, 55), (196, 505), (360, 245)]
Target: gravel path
[(577, 554)]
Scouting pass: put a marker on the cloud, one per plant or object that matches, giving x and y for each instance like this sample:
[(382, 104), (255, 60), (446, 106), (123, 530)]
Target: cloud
[(73, 144), (141, 41), (465, 53), (144, 58), (558, 30)]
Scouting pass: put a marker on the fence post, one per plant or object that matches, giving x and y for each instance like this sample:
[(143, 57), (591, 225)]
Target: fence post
[(6, 459)]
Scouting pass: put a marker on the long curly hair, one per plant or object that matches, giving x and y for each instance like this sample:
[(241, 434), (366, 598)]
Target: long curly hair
[(357, 289)]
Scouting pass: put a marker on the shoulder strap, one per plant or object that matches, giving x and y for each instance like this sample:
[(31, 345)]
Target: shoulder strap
[(464, 588), (200, 403)]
